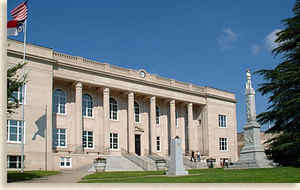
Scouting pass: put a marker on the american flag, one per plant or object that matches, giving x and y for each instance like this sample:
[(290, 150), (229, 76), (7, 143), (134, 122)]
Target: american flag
[(20, 12)]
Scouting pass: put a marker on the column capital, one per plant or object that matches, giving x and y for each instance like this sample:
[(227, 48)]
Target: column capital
[(190, 104), (172, 101), (152, 98), (130, 94), (78, 85), (105, 90)]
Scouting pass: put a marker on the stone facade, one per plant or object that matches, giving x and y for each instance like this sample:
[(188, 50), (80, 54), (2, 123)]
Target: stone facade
[(185, 110)]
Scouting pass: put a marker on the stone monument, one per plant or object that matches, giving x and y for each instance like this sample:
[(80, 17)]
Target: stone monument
[(252, 154), (176, 164)]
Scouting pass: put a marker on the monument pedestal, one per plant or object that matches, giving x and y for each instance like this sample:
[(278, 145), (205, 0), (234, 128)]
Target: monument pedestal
[(176, 166), (252, 154)]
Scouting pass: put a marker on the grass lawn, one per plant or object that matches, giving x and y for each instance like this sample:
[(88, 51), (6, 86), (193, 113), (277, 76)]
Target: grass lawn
[(13, 176), (216, 175)]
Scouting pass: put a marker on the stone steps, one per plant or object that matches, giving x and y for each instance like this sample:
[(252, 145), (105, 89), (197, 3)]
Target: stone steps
[(119, 163)]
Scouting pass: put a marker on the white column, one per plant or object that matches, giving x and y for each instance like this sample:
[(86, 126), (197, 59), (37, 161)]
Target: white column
[(190, 125), (130, 123), (106, 125), (79, 122), (152, 125), (172, 119)]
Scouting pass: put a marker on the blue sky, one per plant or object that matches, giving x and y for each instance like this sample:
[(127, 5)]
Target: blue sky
[(207, 43)]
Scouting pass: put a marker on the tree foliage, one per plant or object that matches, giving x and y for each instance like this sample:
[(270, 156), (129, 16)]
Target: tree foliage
[(14, 82), (283, 89)]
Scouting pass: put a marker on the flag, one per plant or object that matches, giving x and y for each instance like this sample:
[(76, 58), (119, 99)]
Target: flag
[(20, 12), (14, 27)]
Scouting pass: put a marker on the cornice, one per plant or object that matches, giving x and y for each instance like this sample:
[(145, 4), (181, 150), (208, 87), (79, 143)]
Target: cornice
[(118, 76), (143, 82)]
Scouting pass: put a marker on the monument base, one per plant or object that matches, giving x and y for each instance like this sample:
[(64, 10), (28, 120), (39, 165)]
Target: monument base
[(252, 159), (176, 172)]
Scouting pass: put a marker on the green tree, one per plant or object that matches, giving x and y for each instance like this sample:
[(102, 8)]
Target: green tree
[(14, 82), (282, 87)]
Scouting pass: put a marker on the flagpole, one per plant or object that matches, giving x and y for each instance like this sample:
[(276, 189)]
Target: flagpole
[(23, 97), (3, 87)]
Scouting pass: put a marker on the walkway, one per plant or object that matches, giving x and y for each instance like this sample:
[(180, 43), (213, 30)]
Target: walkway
[(114, 163), (66, 176)]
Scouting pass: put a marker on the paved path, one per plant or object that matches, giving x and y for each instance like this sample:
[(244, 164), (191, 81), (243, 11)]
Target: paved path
[(114, 163), (71, 176)]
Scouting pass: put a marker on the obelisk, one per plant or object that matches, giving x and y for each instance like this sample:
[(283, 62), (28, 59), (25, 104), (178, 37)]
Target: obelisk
[(252, 154)]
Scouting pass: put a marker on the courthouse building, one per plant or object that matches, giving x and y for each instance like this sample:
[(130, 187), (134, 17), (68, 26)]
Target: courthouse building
[(76, 109)]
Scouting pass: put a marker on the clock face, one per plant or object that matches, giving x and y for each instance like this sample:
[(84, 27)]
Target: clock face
[(142, 74)]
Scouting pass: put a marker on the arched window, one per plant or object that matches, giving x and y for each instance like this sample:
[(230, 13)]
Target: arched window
[(113, 109), (87, 105), (59, 101), (137, 112), (157, 115)]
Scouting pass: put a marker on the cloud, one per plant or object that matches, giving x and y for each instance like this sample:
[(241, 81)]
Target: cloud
[(256, 49), (227, 39), (270, 40)]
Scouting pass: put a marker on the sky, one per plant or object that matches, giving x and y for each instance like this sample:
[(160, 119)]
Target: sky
[(207, 43)]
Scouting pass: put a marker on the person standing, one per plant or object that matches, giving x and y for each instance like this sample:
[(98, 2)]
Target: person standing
[(198, 156), (192, 156)]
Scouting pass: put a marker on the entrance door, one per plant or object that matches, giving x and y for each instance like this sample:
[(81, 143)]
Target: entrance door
[(137, 144)]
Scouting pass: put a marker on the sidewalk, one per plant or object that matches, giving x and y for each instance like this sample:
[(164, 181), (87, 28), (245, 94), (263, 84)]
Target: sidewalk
[(71, 176)]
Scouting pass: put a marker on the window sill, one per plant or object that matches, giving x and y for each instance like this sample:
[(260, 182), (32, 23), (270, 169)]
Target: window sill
[(86, 117), (14, 142), (60, 114)]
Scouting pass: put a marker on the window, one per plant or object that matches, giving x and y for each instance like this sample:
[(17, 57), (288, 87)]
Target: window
[(223, 144), (87, 105), (14, 161), (60, 138), (14, 130), (114, 141), (136, 112), (87, 139), (65, 162), (177, 118), (158, 144), (222, 121), (59, 101), (157, 115), (20, 94), (113, 109)]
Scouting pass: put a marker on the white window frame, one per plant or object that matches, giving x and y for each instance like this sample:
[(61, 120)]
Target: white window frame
[(87, 141), (223, 144), (58, 134), (177, 119), (18, 133), (111, 111), (65, 160), (19, 92), (18, 162), (139, 114), (158, 144), (111, 141), (222, 121), (58, 105), (85, 110), (157, 117)]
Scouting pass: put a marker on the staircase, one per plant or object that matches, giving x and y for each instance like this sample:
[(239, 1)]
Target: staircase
[(120, 163)]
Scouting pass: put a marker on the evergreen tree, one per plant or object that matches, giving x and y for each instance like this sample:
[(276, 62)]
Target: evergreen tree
[(14, 82), (283, 89)]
